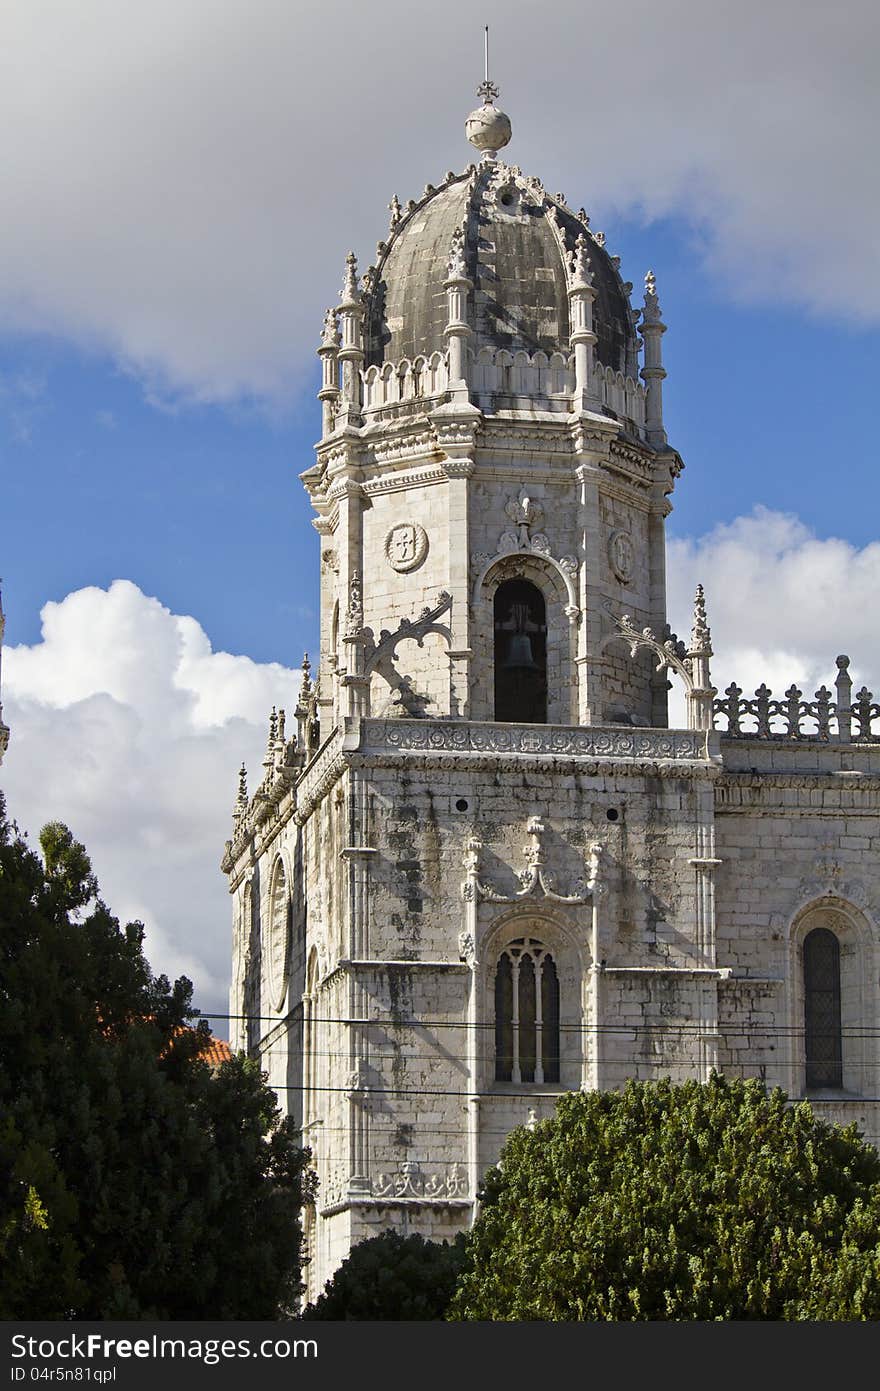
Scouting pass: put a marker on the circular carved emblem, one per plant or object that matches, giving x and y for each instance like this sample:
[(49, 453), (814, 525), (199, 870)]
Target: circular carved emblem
[(278, 913), (622, 555), (406, 546)]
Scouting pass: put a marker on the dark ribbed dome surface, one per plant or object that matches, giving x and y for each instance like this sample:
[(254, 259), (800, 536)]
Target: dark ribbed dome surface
[(514, 256)]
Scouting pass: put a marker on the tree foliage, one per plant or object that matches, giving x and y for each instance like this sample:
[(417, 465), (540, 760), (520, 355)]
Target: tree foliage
[(392, 1277), (134, 1182), (708, 1201)]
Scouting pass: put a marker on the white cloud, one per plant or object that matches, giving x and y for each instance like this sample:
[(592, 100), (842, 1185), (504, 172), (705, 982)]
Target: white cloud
[(126, 726), (181, 181), (782, 603)]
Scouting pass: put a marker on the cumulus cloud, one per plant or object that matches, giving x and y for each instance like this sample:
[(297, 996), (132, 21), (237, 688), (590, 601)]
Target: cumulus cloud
[(181, 182), (129, 728), (782, 603)]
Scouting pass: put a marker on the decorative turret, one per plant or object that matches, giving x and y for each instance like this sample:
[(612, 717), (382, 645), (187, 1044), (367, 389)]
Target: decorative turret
[(351, 353), (457, 285), (581, 294), (653, 372), (328, 352)]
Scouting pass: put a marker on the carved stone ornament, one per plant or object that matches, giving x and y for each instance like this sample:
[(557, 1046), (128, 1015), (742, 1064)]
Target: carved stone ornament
[(622, 555), (406, 546), (534, 876)]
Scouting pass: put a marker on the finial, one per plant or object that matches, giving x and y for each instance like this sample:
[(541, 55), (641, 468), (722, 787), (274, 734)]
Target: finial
[(487, 128), (239, 811), (349, 285), (456, 268), (306, 686), (395, 210), (487, 90), (701, 638), (581, 271), (652, 305), (273, 726), (330, 333), (281, 726)]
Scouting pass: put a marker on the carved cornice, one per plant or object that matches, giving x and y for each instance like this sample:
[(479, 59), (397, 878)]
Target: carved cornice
[(589, 742)]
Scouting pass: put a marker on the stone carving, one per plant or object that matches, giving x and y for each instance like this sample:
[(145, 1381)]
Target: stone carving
[(395, 210), (621, 555), (406, 546), (466, 948), (534, 875), (561, 740), (456, 268), (354, 619), (525, 512), (411, 1182), (408, 628)]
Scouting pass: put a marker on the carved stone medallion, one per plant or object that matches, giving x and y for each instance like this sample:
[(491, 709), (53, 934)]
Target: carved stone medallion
[(622, 555), (406, 546)]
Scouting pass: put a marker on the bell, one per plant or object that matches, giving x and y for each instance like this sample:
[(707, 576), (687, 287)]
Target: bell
[(519, 653)]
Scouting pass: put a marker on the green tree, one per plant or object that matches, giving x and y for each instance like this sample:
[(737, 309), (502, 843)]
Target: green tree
[(392, 1277), (134, 1181), (708, 1201)]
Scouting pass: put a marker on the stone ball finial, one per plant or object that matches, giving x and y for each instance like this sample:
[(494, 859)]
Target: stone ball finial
[(488, 129)]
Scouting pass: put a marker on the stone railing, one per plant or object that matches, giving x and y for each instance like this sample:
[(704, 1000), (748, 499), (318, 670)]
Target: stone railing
[(624, 396), (497, 372), (566, 741), (403, 381), (827, 718)]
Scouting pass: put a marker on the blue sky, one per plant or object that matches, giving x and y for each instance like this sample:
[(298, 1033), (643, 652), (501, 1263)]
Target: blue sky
[(181, 184)]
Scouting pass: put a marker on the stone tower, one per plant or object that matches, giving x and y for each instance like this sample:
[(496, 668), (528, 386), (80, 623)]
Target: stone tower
[(482, 869)]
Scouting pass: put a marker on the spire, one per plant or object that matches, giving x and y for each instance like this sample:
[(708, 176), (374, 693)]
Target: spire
[(239, 810), (487, 128), (349, 295), (487, 90)]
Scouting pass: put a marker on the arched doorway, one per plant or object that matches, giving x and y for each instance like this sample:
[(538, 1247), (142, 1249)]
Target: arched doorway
[(520, 620)]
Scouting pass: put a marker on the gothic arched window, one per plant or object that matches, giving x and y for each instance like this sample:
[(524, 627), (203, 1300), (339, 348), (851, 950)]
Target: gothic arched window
[(520, 653), (823, 1042), (526, 1014)]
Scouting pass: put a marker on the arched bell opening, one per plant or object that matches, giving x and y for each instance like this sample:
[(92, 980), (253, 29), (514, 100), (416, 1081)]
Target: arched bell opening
[(520, 616)]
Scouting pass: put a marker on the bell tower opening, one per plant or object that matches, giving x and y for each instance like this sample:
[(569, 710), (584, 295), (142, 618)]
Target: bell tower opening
[(520, 653)]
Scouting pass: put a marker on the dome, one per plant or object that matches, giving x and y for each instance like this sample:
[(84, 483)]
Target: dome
[(517, 242)]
